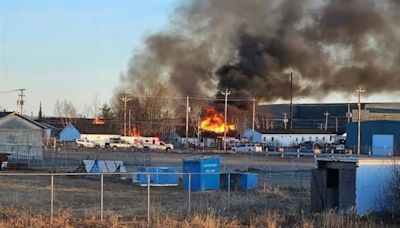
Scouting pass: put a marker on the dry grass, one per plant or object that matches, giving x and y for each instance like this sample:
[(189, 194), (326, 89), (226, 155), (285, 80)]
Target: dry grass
[(25, 202), (270, 219)]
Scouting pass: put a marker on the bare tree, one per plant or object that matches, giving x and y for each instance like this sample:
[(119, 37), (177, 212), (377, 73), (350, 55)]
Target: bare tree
[(65, 110), (391, 197)]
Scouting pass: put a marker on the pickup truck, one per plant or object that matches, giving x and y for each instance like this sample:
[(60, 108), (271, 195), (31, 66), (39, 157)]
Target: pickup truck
[(114, 145), (159, 145), (247, 148), (86, 143)]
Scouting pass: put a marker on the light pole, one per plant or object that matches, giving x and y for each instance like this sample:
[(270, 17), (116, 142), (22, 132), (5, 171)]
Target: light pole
[(359, 91), (226, 93)]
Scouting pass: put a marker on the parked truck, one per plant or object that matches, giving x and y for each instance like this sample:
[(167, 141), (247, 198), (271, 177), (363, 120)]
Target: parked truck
[(118, 143), (158, 145), (86, 143)]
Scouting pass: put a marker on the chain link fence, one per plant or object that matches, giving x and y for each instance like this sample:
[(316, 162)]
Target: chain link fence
[(108, 194)]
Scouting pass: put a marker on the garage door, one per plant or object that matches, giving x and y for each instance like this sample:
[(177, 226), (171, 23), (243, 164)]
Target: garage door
[(382, 145)]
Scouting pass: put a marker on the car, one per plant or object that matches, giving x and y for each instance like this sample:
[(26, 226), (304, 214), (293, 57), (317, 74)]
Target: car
[(309, 147)]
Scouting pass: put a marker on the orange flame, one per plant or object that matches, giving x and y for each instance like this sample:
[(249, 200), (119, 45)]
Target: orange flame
[(214, 122), (98, 121)]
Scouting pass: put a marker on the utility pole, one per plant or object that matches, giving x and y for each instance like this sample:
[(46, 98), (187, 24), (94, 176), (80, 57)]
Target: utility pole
[(21, 101), (253, 122), (359, 91), (129, 123), (348, 114), (187, 122), (125, 99), (337, 124), (326, 120), (226, 93), (291, 101), (285, 120)]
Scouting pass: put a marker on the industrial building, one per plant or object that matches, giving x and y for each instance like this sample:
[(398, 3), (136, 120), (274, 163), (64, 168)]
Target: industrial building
[(351, 184), (21, 137), (280, 137), (88, 129), (377, 138)]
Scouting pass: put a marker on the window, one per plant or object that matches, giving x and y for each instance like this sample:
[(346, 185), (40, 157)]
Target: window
[(264, 139), (272, 139)]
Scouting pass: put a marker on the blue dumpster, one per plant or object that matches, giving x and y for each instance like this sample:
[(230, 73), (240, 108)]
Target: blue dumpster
[(159, 176), (249, 181), (239, 181), (205, 173)]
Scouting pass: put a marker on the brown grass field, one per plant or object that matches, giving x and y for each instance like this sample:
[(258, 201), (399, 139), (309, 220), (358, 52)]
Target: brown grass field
[(25, 202), (281, 200)]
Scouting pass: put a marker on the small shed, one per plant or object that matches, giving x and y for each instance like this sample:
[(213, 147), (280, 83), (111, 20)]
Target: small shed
[(351, 183), (21, 137)]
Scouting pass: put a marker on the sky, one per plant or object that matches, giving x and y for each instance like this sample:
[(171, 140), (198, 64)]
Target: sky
[(76, 50), (71, 49)]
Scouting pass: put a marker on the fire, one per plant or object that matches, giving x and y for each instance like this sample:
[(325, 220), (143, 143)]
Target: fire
[(214, 122)]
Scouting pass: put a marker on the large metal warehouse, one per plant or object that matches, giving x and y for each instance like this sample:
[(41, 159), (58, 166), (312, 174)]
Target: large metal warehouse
[(378, 138)]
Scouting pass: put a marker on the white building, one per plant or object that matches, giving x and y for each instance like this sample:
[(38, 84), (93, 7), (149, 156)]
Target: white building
[(276, 137)]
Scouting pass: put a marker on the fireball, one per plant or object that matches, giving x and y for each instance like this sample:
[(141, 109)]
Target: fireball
[(213, 121)]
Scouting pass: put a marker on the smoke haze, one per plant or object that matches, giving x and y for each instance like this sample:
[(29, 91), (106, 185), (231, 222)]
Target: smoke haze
[(251, 46)]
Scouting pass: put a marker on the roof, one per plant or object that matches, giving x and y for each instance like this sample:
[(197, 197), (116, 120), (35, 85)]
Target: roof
[(362, 160), (86, 126), (293, 131), (56, 122), (4, 114)]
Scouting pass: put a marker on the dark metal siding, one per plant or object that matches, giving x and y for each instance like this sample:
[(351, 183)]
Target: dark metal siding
[(369, 128)]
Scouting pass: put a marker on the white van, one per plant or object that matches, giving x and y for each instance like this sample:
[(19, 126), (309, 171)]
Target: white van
[(247, 148)]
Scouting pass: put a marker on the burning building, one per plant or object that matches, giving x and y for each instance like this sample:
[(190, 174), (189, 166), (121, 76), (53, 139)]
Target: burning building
[(214, 122)]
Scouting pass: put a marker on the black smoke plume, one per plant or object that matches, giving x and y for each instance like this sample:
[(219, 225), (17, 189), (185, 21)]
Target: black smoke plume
[(251, 46)]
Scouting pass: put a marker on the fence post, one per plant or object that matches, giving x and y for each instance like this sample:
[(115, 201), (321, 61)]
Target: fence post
[(189, 189), (300, 190), (101, 196), (293, 174), (229, 191), (148, 197), (52, 199)]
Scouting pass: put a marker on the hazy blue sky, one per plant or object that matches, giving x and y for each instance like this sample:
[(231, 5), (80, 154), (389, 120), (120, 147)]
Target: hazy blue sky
[(71, 49), (77, 49)]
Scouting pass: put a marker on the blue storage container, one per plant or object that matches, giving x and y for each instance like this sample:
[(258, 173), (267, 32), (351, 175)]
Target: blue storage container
[(239, 181), (159, 176), (205, 173), (249, 181)]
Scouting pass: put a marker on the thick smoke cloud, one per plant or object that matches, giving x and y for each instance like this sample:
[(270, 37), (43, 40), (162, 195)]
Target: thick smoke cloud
[(250, 46)]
